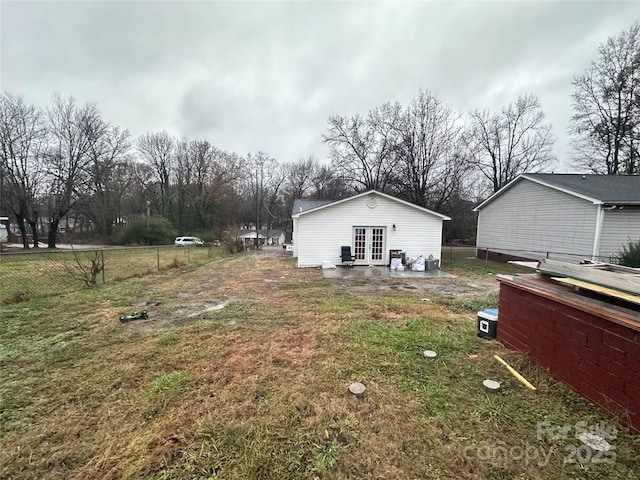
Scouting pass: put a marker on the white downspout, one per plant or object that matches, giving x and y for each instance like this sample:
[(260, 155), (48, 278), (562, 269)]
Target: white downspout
[(596, 239)]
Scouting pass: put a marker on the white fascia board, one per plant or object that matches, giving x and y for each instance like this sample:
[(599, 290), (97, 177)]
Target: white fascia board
[(328, 205)]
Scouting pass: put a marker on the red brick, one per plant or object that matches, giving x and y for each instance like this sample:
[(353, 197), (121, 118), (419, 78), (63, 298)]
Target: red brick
[(587, 366), (633, 363), (609, 381), (604, 361), (578, 338), (588, 391), (620, 357), (603, 349), (622, 400), (620, 330), (621, 371), (565, 364), (511, 342), (546, 345), (594, 336), (519, 333), (621, 343), (633, 390), (547, 332), (562, 329), (591, 355)]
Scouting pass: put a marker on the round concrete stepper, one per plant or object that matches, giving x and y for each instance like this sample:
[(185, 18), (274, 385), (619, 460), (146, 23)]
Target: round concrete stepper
[(357, 388), (491, 384), (429, 354)]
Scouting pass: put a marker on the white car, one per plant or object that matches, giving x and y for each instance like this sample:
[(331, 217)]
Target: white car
[(188, 242)]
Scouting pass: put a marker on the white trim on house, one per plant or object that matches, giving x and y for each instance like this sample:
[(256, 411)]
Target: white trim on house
[(598, 232), (370, 192)]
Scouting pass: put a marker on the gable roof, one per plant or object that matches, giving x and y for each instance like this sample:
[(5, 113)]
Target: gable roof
[(243, 232), (597, 189), (370, 192), (302, 204)]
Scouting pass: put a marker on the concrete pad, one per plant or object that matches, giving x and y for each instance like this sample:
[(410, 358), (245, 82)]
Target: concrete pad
[(381, 272)]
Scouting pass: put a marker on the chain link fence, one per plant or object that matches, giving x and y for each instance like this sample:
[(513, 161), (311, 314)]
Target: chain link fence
[(491, 253), (26, 275)]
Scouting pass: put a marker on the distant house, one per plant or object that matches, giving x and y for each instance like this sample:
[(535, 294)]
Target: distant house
[(568, 217), (371, 223), (268, 237), (3, 229)]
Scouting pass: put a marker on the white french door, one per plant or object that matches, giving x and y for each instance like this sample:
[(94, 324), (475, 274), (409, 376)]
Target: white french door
[(369, 245)]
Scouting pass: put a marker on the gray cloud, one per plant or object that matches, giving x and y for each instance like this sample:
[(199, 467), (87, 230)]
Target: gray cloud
[(266, 75)]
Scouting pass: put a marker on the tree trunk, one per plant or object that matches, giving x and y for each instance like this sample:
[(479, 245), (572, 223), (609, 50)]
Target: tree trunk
[(34, 231), (53, 233), (23, 231)]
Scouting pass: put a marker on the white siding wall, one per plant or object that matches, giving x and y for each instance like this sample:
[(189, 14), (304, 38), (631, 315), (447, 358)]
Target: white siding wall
[(319, 235), (618, 228), (533, 218)]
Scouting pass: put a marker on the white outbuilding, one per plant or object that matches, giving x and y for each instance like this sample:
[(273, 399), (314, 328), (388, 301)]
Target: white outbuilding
[(373, 224)]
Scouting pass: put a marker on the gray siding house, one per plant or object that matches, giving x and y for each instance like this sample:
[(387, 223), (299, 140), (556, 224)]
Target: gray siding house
[(568, 217), (371, 223)]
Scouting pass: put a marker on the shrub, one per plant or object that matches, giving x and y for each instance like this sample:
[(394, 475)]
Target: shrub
[(232, 244), (630, 255), (158, 231)]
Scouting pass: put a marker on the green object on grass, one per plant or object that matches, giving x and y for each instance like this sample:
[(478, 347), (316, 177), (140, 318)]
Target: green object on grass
[(134, 316)]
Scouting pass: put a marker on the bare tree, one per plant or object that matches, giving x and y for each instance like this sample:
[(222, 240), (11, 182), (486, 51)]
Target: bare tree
[(515, 141), (328, 184), (73, 130), (606, 104), (157, 149), (362, 148), (264, 182), (299, 178), (205, 175), (22, 143), (110, 177), (430, 152)]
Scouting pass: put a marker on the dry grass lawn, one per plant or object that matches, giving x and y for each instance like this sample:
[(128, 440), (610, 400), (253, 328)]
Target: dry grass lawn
[(241, 372)]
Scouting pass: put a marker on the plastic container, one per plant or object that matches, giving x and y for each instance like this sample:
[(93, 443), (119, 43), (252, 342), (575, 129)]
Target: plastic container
[(432, 265), (488, 323)]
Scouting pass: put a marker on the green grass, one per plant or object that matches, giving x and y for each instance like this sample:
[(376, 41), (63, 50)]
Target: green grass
[(47, 273), (463, 261), (84, 396)]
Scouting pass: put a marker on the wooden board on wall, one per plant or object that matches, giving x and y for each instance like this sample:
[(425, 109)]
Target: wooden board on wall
[(629, 297), (624, 282)]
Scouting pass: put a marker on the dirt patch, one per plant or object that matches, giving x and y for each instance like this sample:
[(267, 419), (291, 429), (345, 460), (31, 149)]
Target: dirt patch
[(259, 276), (195, 295), (449, 286)]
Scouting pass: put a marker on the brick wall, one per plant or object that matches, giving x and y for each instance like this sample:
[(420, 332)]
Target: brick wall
[(595, 355)]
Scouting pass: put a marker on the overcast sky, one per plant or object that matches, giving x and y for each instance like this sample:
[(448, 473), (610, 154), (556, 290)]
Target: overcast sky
[(251, 76)]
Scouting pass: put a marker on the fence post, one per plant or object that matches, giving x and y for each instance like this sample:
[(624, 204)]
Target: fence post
[(158, 257), (102, 258)]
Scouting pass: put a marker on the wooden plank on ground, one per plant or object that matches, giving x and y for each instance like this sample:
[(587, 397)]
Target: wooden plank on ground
[(521, 263), (610, 292), (625, 282)]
